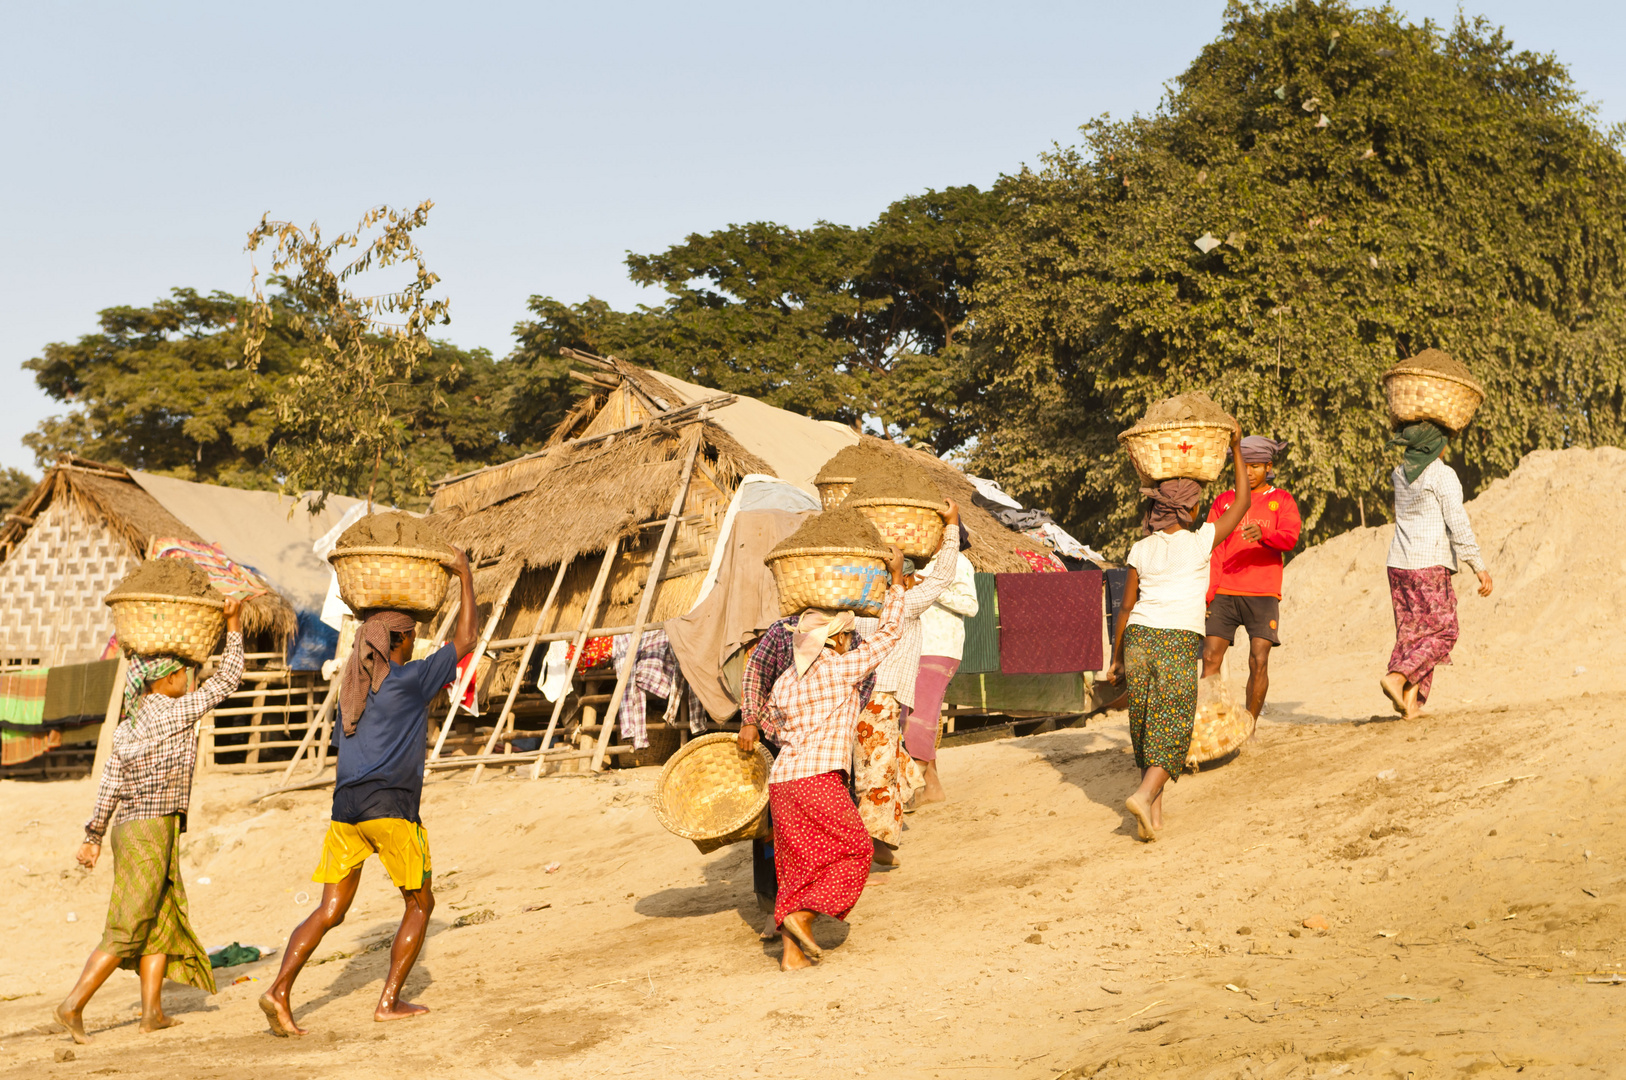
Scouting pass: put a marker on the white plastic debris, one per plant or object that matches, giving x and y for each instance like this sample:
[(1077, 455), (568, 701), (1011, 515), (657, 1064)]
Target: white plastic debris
[(73, 917), (550, 868), (1386, 774), (1206, 243), (203, 881), (302, 898), (1323, 122), (1579, 670)]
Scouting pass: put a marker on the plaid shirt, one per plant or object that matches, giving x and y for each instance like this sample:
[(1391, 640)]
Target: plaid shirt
[(815, 715), (156, 748), (775, 653), (1431, 527)]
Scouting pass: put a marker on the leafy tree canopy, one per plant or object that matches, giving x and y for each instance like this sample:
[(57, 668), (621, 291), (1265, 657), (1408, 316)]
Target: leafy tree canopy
[(15, 486), (1376, 188)]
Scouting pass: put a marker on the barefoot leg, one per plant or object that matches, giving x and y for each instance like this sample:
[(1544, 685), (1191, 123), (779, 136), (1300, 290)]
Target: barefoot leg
[(1411, 700), (1394, 688), (420, 902), (151, 968), (71, 1013), (1143, 804), (793, 958), (798, 928), (884, 854), (336, 900), (934, 787)]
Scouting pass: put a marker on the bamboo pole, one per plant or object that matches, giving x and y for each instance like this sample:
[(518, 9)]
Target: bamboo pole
[(524, 660), (110, 722), (473, 666), (589, 613), (652, 587), (258, 714), (310, 729)]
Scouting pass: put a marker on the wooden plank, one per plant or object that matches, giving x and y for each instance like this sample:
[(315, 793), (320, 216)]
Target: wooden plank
[(589, 613), (473, 666), (561, 635), (254, 728), (328, 704), (507, 713), (110, 721), (652, 586)]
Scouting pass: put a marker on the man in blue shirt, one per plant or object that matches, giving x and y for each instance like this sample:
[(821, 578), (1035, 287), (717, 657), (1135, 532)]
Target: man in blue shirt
[(384, 707)]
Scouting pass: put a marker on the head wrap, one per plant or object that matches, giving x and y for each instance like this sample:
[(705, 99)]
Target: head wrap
[(143, 670), (1259, 450), (1424, 442), (1172, 504), (369, 662), (813, 630)]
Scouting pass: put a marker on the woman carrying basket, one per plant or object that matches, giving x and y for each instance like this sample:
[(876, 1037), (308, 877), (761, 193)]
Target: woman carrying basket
[(822, 849), (148, 779), (1159, 635)]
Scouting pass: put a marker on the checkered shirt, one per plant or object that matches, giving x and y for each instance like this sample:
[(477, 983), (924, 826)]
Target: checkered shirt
[(772, 655), (1431, 527), (149, 772), (815, 715)]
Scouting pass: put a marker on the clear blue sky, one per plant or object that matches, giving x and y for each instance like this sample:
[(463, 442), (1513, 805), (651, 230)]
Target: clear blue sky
[(141, 141)]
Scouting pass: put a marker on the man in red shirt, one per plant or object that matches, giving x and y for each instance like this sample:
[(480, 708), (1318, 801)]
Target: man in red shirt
[(1245, 572)]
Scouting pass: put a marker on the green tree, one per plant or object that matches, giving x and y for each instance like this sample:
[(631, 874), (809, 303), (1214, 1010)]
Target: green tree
[(15, 486), (1375, 188), (835, 322)]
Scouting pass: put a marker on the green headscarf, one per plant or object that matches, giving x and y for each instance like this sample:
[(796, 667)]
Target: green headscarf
[(1423, 442), (143, 670)]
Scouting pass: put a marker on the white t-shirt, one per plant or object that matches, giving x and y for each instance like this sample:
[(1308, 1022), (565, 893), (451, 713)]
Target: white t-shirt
[(1173, 569)]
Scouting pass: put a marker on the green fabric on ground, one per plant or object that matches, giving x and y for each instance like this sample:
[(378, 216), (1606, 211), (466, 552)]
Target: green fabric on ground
[(147, 912), (232, 955), (1059, 693), (981, 651)]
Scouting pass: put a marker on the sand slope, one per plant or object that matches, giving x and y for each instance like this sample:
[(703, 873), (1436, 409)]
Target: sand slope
[(1468, 893)]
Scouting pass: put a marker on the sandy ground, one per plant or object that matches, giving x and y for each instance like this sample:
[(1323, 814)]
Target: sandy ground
[(1027, 934)]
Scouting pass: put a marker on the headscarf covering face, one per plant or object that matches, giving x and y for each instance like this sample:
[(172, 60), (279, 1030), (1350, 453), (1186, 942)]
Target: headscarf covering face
[(143, 670), (813, 630), (369, 662), (1172, 504), (1424, 442)]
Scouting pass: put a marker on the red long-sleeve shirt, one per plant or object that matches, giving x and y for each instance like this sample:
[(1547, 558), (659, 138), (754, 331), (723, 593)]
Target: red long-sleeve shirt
[(1241, 567)]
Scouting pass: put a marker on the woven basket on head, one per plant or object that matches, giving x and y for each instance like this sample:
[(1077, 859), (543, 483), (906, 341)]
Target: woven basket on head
[(1194, 449), (714, 793), (152, 624), (833, 490), (914, 525), (400, 579), (1219, 729), (837, 579), (1415, 394)]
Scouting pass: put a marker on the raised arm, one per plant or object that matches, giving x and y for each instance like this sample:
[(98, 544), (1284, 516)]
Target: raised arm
[(467, 631), (868, 656), (961, 596), (1238, 510), (153, 724), (944, 565)]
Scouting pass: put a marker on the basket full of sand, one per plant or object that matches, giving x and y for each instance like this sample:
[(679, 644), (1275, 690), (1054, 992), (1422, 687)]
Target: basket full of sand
[(904, 504), (394, 561), (1432, 386), (167, 607), (835, 561), (714, 793), (1182, 436)]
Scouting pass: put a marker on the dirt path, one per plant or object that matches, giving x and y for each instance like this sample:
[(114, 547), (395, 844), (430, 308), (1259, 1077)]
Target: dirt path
[(1026, 934)]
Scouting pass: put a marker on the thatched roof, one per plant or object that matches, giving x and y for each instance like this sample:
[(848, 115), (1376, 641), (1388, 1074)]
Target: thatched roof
[(107, 494), (994, 545), (577, 497)]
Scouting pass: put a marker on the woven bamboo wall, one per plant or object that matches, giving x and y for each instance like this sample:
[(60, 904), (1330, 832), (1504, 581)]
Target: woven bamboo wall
[(52, 585)]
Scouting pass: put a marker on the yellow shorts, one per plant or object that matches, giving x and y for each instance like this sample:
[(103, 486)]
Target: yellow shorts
[(402, 846)]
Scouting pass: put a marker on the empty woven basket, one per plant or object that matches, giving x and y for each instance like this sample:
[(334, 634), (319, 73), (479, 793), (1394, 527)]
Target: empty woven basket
[(151, 624), (400, 579), (914, 525), (1416, 394), (837, 579), (714, 793), (1219, 729), (1194, 449), (833, 490)]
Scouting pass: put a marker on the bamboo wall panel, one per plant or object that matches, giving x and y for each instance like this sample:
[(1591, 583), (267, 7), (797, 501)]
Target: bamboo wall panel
[(52, 585)]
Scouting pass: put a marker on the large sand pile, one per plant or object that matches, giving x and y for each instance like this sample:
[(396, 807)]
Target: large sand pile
[(1550, 535)]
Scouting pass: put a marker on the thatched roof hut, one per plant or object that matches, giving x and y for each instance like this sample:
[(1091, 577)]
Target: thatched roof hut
[(82, 529)]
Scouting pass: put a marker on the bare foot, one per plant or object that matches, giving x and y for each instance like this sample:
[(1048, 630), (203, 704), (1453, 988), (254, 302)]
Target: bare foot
[(793, 960), (884, 855), (157, 1023), (74, 1021), (934, 787), (401, 1010), (276, 1011), (1414, 708), (798, 928), (1143, 817), (1394, 688), (770, 932)]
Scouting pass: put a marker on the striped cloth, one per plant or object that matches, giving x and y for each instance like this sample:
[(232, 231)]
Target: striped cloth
[(22, 708), (233, 579)]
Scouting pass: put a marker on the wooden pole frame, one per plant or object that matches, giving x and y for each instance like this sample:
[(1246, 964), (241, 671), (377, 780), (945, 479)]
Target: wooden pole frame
[(519, 676), (589, 614), (467, 675), (110, 722), (647, 604)]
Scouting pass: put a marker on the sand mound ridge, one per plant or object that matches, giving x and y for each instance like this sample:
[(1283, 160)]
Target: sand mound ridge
[(393, 529), (1433, 360), (1548, 533), (1193, 406), (843, 527), (167, 577), (895, 478)]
